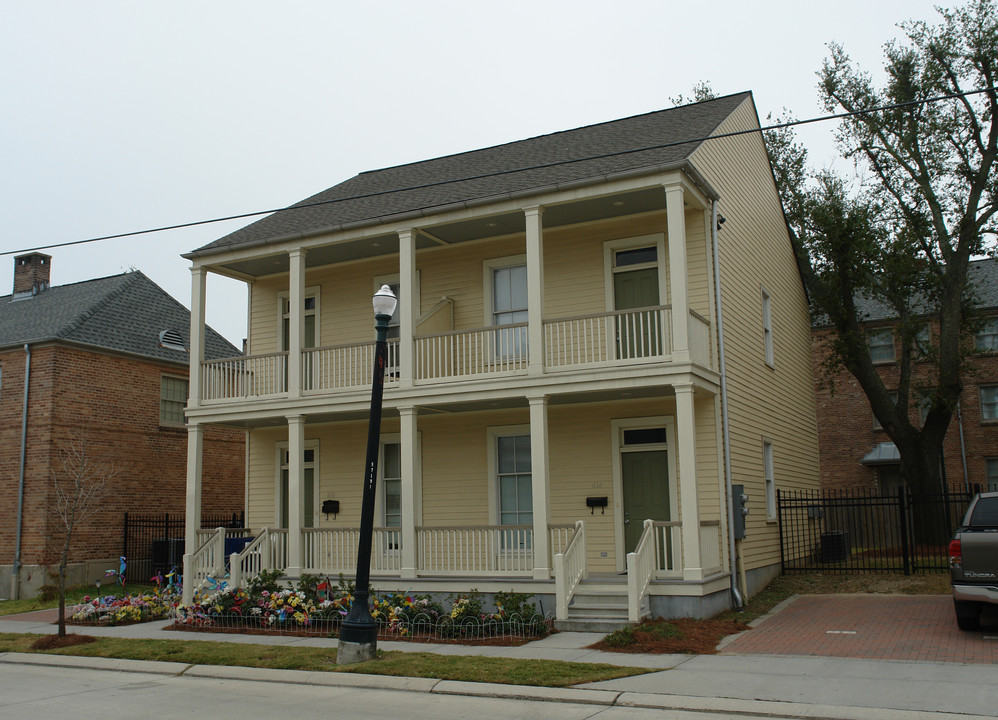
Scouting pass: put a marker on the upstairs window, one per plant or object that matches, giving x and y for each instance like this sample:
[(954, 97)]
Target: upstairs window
[(507, 283), (986, 339), (881, 345), (172, 400), (767, 327), (989, 402)]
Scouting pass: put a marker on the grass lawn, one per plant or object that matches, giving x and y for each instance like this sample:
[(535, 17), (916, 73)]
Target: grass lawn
[(543, 673)]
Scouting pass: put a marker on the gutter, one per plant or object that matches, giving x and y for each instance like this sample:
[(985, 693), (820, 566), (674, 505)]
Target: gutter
[(15, 577), (737, 598)]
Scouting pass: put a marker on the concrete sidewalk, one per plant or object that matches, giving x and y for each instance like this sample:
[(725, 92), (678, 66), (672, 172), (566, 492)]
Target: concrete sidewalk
[(770, 685)]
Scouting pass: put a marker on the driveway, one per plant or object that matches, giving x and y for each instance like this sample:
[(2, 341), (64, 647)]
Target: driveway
[(916, 628)]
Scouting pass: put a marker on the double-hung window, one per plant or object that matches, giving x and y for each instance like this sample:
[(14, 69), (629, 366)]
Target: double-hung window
[(767, 463), (989, 402), (767, 327), (513, 482), (172, 399), (986, 339), (881, 345), (508, 282)]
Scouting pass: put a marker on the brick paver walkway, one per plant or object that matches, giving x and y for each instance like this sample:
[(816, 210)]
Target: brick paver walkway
[(882, 627)]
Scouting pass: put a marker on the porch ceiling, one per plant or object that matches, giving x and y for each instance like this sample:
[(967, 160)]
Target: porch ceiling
[(479, 228)]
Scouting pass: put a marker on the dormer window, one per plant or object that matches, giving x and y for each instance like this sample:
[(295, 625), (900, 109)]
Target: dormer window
[(172, 340)]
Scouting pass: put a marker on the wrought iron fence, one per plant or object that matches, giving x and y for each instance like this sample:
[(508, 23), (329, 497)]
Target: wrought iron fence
[(155, 542), (849, 531)]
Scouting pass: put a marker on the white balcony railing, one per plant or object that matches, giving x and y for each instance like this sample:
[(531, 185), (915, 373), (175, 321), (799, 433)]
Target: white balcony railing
[(607, 338), (622, 337), (244, 377), (341, 367), (489, 549), (699, 333), (494, 350)]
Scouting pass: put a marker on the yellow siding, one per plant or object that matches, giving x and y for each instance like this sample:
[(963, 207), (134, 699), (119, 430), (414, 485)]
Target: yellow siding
[(776, 403), (574, 279)]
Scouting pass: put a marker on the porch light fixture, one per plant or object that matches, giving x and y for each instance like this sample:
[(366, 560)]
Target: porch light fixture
[(359, 631)]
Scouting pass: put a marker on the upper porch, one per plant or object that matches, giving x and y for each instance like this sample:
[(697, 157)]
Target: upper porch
[(583, 286)]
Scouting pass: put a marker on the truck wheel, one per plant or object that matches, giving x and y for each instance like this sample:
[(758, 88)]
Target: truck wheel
[(968, 615)]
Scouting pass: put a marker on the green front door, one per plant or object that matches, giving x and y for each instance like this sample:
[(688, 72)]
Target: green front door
[(308, 489), (645, 481)]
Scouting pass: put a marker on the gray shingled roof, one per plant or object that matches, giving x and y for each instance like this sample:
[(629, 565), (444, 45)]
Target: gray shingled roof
[(982, 276), (123, 312), (584, 155)]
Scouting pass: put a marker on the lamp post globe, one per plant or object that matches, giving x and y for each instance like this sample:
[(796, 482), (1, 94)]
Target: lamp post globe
[(359, 631)]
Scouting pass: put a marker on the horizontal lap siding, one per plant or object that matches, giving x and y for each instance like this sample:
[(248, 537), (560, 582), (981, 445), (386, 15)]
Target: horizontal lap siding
[(774, 403)]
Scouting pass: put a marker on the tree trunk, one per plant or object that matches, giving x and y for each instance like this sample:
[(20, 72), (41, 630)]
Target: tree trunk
[(63, 561), (921, 467)]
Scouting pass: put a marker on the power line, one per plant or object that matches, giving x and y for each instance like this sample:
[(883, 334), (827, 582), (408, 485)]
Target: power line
[(541, 166)]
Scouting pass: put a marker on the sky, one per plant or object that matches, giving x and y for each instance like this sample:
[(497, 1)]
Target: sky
[(124, 116)]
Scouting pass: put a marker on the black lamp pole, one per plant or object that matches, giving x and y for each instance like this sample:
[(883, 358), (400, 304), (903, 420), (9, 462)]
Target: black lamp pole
[(359, 629)]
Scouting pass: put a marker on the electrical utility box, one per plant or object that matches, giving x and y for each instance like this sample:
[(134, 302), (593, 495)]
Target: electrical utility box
[(739, 501)]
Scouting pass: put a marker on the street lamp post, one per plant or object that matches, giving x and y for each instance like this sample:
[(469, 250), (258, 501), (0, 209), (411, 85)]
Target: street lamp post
[(359, 631)]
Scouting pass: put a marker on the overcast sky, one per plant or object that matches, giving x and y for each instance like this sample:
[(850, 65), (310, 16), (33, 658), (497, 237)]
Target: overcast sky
[(123, 116)]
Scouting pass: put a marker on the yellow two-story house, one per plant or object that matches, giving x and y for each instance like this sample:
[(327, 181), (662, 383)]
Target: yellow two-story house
[(598, 332)]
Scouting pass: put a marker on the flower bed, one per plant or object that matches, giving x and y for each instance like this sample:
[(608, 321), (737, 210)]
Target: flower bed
[(111, 610), (263, 607)]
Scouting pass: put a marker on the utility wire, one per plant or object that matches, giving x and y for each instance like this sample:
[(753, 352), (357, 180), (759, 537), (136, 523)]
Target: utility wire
[(541, 166)]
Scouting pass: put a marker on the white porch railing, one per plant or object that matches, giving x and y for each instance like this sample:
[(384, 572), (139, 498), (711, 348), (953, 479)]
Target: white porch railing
[(245, 376), (208, 561), (561, 535), (489, 549), (569, 570), (641, 567), (334, 550), (710, 546), (699, 337), (339, 367), (668, 548), (251, 560), (496, 350), (607, 338)]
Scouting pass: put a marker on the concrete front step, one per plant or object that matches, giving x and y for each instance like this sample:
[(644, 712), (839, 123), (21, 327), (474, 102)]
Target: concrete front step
[(597, 610)]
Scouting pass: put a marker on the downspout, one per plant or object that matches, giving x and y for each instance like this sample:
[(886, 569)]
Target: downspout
[(15, 577), (963, 447), (736, 596)]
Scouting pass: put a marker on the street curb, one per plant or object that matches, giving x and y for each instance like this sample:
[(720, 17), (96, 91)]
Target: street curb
[(152, 667), (526, 692), (758, 621), (312, 677)]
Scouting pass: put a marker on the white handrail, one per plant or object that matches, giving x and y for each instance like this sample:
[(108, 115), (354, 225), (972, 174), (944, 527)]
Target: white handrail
[(334, 550), (501, 349), (569, 570), (620, 336), (476, 550), (208, 561), (640, 569), (253, 559)]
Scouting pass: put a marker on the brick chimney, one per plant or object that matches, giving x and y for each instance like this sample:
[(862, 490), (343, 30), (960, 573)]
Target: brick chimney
[(31, 273)]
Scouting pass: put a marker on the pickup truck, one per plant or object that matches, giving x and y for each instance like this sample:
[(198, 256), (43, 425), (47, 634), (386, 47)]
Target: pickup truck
[(973, 561)]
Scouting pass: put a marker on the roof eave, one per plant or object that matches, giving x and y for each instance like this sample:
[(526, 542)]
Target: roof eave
[(685, 165)]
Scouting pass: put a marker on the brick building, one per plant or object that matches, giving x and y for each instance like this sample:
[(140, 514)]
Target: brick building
[(855, 451), (106, 360)]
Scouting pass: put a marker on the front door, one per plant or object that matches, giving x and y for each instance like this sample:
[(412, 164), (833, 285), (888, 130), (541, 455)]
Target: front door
[(645, 480)]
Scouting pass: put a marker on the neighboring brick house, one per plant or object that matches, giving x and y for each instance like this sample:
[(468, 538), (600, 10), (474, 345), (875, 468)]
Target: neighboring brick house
[(106, 358), (855, 451)]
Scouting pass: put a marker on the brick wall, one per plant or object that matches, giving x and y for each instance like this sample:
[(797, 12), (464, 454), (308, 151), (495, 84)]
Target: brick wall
[(115, 401), (846, 430)]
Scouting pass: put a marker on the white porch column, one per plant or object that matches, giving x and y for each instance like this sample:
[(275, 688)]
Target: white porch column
[(688, 500), (198, 275), (678, 272), (192, 514), (412, 489), (535, 290), (540, 484), (296, 497), (408, 307), (296, 320)]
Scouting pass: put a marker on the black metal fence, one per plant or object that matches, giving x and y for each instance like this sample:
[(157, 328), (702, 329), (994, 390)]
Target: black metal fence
[(841, 531), (155, 542)]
